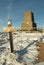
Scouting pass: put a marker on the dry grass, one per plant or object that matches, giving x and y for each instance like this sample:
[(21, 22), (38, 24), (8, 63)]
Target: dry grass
[(41, 52)]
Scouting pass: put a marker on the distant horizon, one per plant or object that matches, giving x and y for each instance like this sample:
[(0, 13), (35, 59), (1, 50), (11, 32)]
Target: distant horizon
[(15, 9)]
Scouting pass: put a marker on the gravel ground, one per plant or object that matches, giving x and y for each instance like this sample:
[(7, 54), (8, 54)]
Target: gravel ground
[(41, 63)]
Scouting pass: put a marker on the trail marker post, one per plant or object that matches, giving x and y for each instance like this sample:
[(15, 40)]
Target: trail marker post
[(10, 29)]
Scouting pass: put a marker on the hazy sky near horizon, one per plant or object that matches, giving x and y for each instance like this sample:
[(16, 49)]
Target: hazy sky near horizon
[(14, 10)]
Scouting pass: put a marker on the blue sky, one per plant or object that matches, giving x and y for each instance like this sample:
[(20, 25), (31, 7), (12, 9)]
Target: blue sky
[(14, 10)]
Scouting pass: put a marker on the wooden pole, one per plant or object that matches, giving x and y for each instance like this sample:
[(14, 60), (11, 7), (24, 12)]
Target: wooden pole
[(10, 36), (11, 42), (10, 29)]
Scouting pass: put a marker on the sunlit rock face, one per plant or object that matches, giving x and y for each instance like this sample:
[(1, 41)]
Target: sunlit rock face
[(25, 49)]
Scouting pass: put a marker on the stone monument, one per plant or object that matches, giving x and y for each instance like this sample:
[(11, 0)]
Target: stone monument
[(28, 23)]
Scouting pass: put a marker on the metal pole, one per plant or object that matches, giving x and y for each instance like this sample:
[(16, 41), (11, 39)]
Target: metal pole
[(11, 41)]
